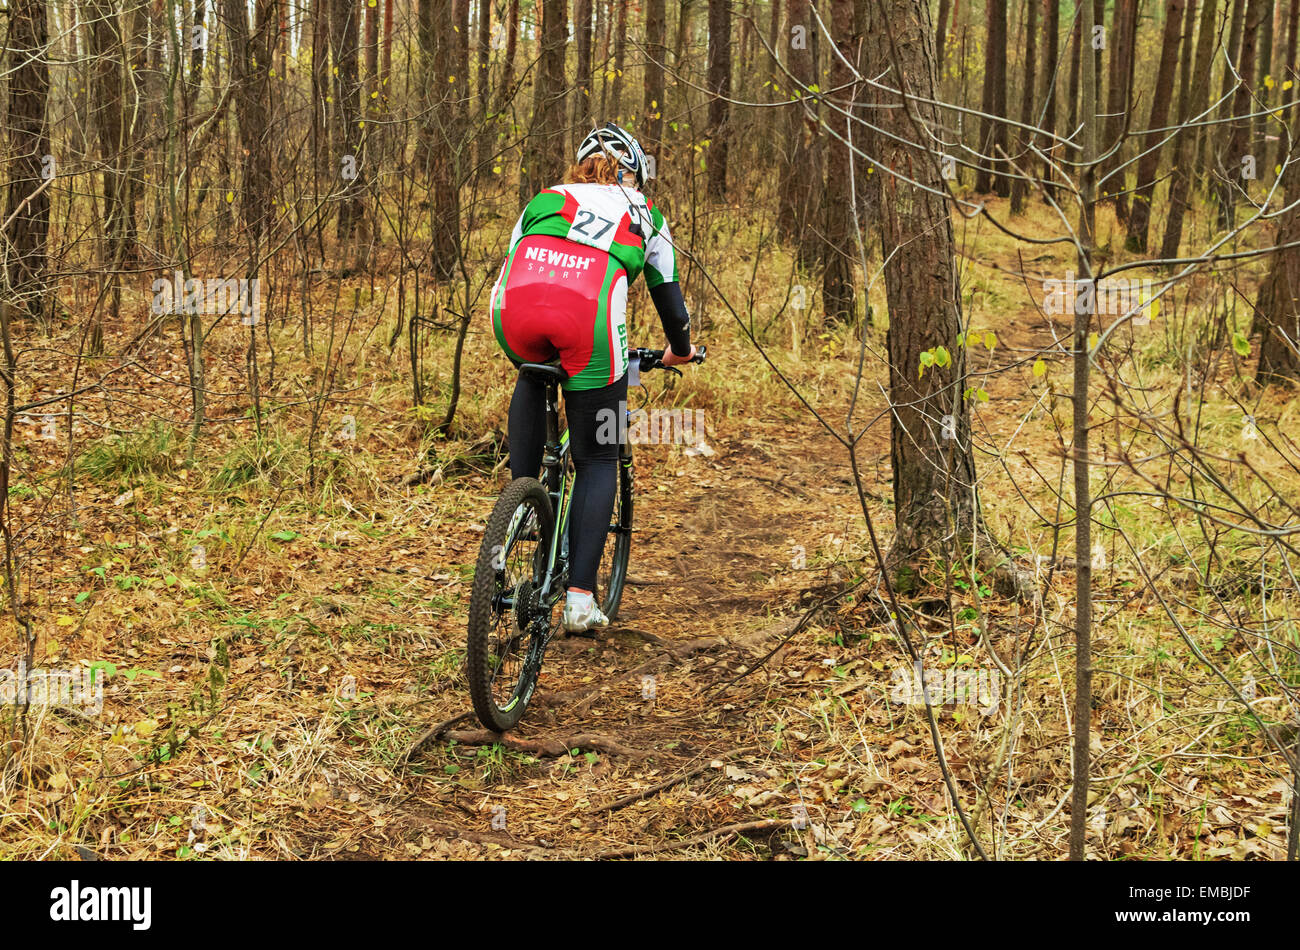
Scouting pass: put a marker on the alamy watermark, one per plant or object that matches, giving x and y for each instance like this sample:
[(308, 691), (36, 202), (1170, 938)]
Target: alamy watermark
[(979, 688), (1111, 296), (37, 687), (219, 295), (649, 427), (133, 905)]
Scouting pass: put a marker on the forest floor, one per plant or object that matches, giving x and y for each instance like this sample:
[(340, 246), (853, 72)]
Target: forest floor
[(284, 621)]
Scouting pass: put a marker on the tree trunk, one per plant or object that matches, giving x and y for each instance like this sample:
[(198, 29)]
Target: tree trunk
[(993, 133), (800, 205), (1149, 164), (250, 62), (27, 203), (583, 115), (225, 176), (142, 115), (372, 56), (483, 88), (656, 31), (1098, 51), (839, 294), (620, 57), (387, 68), (1277, 57), (774, 37), (197, 48), (320, 92), (1076, 58), (439, 134), (544, 147), (1240, 161), (719, 79), (1047, 93), (1277, 306), (1186, 60), (684, 11), (1120, 48), (1197, 102), (941, 36), (109, 118), (345, 30), (507, 66), (774, 90), (930, 447), (1081, 752), (1263, 69), (1019, 185), (460, 69), (1287, 71), (1216, 137)]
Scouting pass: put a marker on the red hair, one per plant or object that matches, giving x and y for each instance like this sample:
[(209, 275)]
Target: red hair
[(595, 169)]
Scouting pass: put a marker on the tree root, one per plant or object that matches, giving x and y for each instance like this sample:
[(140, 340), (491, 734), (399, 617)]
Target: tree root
[(668, 782), (548, 748), (430, 735)]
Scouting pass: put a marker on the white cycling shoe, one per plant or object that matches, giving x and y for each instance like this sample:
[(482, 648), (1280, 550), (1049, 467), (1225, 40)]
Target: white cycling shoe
[(581, 613)]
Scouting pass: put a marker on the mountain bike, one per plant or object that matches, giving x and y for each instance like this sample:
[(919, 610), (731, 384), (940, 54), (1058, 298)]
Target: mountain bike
[(523, 563)]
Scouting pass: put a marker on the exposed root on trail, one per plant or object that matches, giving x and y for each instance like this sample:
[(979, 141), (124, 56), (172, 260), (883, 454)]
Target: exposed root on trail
[(548, 748), (668, 783)]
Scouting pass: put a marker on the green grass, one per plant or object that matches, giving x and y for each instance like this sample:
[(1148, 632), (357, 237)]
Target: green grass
[(252, 460), (128, 457)]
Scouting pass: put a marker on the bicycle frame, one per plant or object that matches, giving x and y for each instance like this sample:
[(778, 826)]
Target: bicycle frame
[(559, 487)]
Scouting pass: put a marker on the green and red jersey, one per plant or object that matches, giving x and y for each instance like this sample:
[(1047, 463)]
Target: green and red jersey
[(612, 218), (563, 287)]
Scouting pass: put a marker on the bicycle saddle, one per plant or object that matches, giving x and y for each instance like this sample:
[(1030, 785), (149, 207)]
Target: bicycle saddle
[(551, 372)]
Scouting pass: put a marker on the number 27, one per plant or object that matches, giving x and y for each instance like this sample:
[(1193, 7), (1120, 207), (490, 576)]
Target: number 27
[(585, 218)]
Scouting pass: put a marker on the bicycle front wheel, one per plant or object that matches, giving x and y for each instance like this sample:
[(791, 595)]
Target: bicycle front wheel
[(508, 624)]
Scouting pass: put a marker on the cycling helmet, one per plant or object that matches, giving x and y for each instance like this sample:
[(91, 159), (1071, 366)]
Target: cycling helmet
[(618, 143)]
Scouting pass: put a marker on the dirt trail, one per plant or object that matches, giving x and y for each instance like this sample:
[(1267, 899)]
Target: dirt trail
[(647, 702)]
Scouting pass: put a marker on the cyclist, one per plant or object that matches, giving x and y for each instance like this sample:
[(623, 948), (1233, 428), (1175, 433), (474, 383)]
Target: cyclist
[(562, 292)]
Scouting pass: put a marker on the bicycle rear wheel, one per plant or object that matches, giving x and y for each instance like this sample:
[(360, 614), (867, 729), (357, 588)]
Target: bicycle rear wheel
[(611, 576), (508, 625)]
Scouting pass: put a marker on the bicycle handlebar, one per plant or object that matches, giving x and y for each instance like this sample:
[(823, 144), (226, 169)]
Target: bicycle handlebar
[(653, 359)]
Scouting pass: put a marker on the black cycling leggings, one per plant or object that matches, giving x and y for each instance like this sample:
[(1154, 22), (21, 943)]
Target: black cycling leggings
[(594, 461)]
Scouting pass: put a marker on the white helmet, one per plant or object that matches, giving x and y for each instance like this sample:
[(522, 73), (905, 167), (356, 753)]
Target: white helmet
[(618, 143)]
